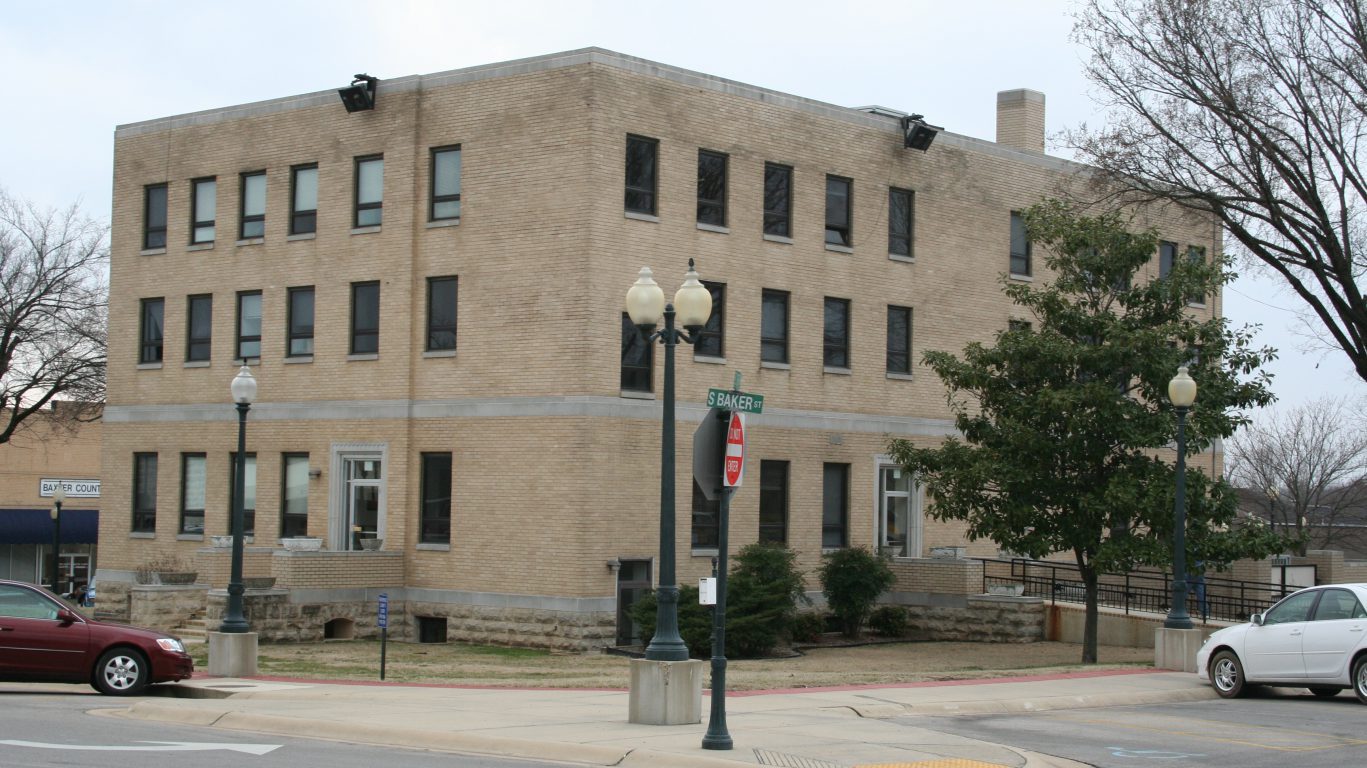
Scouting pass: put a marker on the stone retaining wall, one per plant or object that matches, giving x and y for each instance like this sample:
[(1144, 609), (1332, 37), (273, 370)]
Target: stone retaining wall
[(980, 619), (163, 607)]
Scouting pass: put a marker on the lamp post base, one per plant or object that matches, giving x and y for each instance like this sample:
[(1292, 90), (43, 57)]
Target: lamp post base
[(665, 692), (1176, 648), (232, 654)]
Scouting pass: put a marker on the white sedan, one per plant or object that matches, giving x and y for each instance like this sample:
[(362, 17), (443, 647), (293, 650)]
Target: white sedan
[(1315, 638)]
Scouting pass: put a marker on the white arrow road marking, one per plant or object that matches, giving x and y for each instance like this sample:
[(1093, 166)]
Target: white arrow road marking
[(153, 746)]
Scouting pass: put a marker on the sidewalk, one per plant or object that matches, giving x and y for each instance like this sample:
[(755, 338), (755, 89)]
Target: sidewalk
[(798, 728)]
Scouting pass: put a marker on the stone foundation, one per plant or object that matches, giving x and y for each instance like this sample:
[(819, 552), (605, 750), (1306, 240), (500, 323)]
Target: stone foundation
[(162, 607), (977, 619)]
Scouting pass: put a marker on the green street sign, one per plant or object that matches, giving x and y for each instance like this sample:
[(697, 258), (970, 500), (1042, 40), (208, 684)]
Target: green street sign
[(727, 400)]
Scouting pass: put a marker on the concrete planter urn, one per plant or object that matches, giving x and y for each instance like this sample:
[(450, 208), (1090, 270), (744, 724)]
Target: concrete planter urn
[(176, 578), (372, 545), (303, 544), (1006, 590), (226, 542), (258, 582)]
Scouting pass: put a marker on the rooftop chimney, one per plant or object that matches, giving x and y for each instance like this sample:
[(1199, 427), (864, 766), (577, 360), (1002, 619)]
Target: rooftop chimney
[(1020, 119)]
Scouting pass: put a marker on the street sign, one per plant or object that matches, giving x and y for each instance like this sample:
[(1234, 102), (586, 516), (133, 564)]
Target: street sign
[(384, 610), (707, 590), (728, 400), (707, 453), (733, 470)]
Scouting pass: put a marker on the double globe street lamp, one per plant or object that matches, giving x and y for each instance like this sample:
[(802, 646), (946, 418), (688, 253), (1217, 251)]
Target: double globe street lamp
[(691, 308), (1181, 393)]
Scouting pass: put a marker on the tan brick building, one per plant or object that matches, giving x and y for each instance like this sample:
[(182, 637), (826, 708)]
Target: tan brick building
[(430, 295)]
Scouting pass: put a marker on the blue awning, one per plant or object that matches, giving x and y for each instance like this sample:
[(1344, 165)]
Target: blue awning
[(34, 526)]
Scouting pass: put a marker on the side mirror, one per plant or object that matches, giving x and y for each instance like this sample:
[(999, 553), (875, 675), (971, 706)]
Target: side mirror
[(1257, 619), (66, 616)]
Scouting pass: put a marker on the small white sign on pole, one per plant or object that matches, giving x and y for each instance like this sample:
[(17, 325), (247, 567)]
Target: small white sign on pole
[(707, 591)]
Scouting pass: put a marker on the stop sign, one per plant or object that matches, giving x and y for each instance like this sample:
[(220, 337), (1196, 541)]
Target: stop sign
[(733, 467)]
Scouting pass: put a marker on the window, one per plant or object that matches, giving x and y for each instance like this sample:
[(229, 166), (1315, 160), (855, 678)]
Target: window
[(773, 327), (144, 493), (199, 324), (1196, 255), (835, 506), (154, 216), (303, 199), (249, 325), (778, 200), (441, 313), (300, 341), (369, 191), (294, 495), (153, 311), (901, 221), (253, 205), (203, 201), (899, 339), (445, 184), (641, 174), (711, 339), (636, 358), (192, 493), (365, 318), (706, 519), (711, 188), (248, 494), (773, 502), (1292, 609), (1020, 247), (1338, 604), (836, 336), (838, 211), (1019, 326), (895, 521), (435, 525), (1167, 258)]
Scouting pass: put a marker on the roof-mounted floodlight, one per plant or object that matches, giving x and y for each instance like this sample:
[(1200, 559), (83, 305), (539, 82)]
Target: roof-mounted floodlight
[(360, 94), (917, 133)]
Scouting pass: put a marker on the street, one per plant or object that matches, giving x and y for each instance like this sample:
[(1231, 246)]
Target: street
[(1270, 728), (40, 729)]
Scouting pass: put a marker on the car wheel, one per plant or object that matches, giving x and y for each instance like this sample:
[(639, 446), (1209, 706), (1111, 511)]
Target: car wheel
[(121, 672), (1227, 675), (1326, 693), (1360, 678)]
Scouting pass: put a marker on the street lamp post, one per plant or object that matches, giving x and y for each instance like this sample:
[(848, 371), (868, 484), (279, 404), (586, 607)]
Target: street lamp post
[(1182, 393), (58, 496), (244, 391), (692, 305)]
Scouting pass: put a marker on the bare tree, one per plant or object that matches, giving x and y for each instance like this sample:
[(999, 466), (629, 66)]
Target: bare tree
[(53, 303), (1309, 467), (1253, 110)]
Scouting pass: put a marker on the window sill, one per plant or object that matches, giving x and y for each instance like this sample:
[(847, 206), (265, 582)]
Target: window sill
[(299, 360), (642, 216), (359, 358), (196, 364), (366, 230), (189, 537), (430, 547), (899, 376), (775, 366), (714, 228), (439, 223), (1022, 278), (901, 258), (779, 239), (142, 535), (835, 369), (301, 236), (713, 552), (432, 353), (710, 360), (209, 246), (634, 395), (152, 252), (1196, 304), (839, 248), (250, 241), (249, 361), (149, 366)]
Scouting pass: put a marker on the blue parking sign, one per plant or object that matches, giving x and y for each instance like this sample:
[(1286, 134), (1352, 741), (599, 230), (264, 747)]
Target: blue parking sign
[(384, 610)]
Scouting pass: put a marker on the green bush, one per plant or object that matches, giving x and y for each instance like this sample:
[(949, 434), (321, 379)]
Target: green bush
[(808, 626), (852, 580), (695, 621), (889, 621)]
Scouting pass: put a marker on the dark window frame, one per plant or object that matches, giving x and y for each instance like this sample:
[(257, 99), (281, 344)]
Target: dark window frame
[(434, 515), (144, 517), (242, 338), (901, 228), (361, 208), (647, 196), (293, 330), (774, 490), (835, 348), (635, 375), (151, 335), (290, 520), (198, 341), (778, 203), (1022, 250), (1196, 254), (435, 199), (244, 218), (248, 514), (303, 221), (437, 330), (706, 519), (1167, 257), (767, 340), (154, 233), (195, 222), (186, 511), (839, 233), (835, 533), (711, 340), (712, 192), (893, 355), (357, 331)]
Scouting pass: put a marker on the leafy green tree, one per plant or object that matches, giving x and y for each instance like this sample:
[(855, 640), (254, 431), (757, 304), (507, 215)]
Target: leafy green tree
[(1065, 422), (852, 579)]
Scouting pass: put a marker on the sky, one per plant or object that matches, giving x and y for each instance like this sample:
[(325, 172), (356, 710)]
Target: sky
[(80, 68)]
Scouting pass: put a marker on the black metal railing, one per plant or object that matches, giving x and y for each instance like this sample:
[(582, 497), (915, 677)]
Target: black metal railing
[(1149, 592)]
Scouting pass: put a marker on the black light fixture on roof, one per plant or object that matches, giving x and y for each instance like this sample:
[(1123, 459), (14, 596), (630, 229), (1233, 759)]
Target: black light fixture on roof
[(360, 95), (917, 133)]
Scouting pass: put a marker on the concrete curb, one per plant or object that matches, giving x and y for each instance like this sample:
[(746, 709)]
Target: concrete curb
[(1037, 704)]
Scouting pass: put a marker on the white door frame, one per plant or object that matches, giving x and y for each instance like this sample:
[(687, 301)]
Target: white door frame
[(339, 495)]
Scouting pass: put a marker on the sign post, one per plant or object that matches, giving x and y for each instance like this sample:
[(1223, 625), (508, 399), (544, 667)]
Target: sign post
[(383, 621)]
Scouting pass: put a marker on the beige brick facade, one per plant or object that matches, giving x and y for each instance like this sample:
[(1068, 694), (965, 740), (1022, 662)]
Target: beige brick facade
[(555, 469)]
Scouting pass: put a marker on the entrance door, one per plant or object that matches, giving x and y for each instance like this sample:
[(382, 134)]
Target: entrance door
[(363, 518), (633, 581)]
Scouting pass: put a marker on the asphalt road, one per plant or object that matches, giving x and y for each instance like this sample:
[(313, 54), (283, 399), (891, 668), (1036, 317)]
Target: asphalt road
[(40, 730), (1272, 728)]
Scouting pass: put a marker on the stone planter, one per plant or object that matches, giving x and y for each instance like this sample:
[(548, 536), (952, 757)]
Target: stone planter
[(948, 553), (220, 542), (258, 582), (1006, 590), (372, 545), (303, 544), (178, 578)]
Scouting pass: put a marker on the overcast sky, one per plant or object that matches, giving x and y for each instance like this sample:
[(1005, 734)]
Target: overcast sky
[(79, 68)]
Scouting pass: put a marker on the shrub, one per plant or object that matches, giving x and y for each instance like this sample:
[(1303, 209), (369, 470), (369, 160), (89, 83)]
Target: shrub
[(808, 626), (695, 621), (852, 580), (889, 621)]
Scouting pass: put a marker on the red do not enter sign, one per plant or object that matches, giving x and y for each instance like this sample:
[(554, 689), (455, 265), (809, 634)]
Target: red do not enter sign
[(733, 467)]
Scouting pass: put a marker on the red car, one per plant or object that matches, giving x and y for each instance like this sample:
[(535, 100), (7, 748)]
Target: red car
[(42, 639)]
